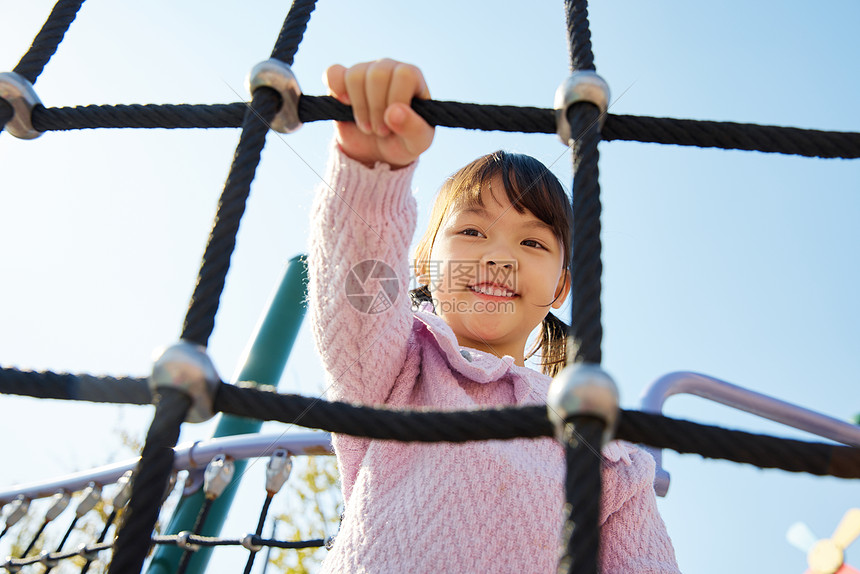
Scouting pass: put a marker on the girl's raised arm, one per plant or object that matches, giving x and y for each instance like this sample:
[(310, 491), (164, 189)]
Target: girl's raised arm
[(386, 128), (362, 225)]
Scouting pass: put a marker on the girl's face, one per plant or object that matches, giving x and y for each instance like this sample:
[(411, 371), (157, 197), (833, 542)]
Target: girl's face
[(495, 273)]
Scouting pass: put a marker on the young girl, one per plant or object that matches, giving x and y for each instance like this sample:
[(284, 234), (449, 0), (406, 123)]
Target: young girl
[(492, 263)]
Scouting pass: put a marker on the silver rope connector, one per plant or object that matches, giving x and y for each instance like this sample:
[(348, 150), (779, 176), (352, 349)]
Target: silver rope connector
[(187, 367), (248, 543), (182, 541), (47, 559), (90, 497), (60, 501), (15, 89), (123, 492), (583, 389), (278, 470), (16, 510), (219, 473), (279, 76), (85, 551), (581, 86)]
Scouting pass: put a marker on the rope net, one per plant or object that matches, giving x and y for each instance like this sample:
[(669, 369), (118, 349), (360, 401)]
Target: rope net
[(589, 126)]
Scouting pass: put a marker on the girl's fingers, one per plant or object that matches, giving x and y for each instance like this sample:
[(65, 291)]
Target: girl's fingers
[(336, 83), (407, 82), (415, 134), (377, 88), (355, 81)]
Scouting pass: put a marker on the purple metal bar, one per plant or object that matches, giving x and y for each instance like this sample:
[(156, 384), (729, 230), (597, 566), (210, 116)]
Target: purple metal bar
[(196, 455), (742, 399)]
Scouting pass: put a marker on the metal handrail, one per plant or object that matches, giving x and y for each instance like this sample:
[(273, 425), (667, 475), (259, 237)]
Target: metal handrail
[(187, 456), (713, 389)]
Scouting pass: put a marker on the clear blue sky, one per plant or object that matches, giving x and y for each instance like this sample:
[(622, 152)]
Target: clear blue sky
[(740, 265)]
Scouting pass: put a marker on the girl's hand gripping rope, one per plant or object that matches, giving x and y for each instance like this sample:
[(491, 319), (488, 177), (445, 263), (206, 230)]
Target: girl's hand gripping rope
[(386, 128)]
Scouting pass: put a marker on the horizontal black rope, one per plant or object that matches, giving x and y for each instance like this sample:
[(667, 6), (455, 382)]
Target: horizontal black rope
[(381, 423), (723, 135), (430, 426), (504, 423), (49, 385), (763, 451), (169, 116), (92, 549), (210, 541)]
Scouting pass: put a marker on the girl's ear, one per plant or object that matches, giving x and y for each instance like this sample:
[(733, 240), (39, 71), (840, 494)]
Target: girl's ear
[(422, 274), (562, 290)]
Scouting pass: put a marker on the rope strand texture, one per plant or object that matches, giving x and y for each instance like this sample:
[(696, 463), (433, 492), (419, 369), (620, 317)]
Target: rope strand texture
[(531, 422), (582, 491), (429, 426), (48, 39), (48, 385), (150, 481), (669, 131), (200, 318), (586, 266), (578, 35), (293, 31)]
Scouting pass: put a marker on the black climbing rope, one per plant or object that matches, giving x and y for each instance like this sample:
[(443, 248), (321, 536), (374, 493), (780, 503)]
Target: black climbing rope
[(48, 39), (582, 439), (200, 319), (150, 482)]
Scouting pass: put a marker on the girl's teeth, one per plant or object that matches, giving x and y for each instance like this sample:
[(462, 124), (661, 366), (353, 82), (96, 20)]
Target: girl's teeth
[(494, 291)]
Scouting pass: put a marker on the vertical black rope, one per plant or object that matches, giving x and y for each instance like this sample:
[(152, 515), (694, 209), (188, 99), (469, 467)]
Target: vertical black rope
[(259, 531), (35, 538), (293, 30), (582, 437), (63, 541), (150, 481), (111, 517), (582, 442), (586, 266), (200, 318), (43, 47), (196, 529), (578, 35), (48, 39), (6, 113)]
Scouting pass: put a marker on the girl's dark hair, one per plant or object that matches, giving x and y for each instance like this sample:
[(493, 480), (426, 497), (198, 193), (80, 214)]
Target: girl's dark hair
[(529, 185)]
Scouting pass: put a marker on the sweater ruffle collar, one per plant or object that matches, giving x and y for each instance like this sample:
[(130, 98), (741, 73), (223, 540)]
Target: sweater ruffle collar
[(530, 386)]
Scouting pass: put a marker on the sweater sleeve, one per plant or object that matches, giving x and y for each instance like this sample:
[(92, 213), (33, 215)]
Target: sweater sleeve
[(633, 535), (362, 224)]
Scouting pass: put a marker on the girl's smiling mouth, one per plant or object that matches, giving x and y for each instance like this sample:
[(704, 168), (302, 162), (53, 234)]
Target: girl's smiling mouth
[(492, 289)]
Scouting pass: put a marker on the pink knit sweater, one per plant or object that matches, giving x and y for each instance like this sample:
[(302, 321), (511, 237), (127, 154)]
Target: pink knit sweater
[(478, 507)]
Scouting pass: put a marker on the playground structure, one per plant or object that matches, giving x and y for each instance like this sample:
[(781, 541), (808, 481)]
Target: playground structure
[(198, 322)]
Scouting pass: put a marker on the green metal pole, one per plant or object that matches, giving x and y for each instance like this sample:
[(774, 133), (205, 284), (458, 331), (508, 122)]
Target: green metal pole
[(263, 365)]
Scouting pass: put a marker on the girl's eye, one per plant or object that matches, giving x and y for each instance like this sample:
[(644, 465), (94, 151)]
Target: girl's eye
[(471, 232), (532, 243)]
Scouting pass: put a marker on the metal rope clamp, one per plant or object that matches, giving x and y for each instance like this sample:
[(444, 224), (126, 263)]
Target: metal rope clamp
[(15, 89), (581, 86), (186, 367), (183, 540), (583, 389), (248, 541), (277, 75)]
